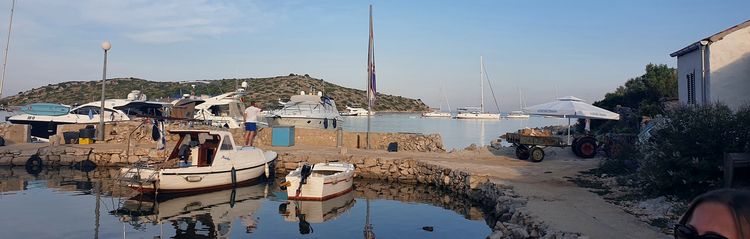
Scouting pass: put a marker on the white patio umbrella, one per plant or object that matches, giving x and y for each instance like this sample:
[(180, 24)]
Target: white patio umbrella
[(571, 107)]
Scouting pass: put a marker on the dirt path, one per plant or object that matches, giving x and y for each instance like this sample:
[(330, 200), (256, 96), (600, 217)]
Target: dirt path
[(551, 197)]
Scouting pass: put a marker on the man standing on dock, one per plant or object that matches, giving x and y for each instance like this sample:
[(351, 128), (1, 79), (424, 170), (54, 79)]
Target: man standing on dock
[(251, 120)]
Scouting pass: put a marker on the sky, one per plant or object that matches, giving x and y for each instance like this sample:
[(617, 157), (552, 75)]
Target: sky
[(428, 50)]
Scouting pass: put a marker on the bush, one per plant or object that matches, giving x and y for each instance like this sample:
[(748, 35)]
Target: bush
[(683, 158), (624, 163)]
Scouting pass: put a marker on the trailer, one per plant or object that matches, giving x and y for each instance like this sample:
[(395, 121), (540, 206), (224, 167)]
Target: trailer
[(532, 146)]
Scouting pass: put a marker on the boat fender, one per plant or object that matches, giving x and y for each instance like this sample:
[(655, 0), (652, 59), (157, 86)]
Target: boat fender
[(305, 172), (267, 171), (334, 123), (155, 135), (325, 123), (232, 198), (234, 177), (34, 164)]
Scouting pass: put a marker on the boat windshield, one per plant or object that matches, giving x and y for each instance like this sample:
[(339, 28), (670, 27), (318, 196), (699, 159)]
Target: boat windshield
[(232, 109), (195, 149), (89, 109)]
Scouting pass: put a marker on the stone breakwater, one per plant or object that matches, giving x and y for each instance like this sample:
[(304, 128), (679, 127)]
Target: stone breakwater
[(507, 214)]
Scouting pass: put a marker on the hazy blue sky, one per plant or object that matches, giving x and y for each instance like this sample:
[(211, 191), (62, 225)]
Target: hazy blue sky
[(548, 48)]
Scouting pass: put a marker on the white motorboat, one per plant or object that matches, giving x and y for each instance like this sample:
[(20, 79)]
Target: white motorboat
[(218, 211), (201, 160), (320, 181), (317, 211), (436, 113), (223, 110), (307, 111), (517, 115), (475, 113), (44, 125), (356, 111), (478, 112)]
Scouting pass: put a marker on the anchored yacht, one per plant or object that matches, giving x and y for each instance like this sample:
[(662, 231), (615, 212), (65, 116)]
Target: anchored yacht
[(307, 111), (44, 125)]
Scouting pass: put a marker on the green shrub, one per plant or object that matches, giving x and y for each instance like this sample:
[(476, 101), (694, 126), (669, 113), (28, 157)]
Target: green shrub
[(683, 157), (624, 163)]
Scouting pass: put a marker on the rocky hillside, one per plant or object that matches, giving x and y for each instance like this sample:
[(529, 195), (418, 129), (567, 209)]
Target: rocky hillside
[(266, 91)]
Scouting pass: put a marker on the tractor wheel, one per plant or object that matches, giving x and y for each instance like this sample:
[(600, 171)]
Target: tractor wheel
[(537, 154), (587, 147), (574, 147)]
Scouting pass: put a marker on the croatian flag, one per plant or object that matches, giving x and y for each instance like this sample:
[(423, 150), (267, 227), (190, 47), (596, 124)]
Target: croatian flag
[(371, 89)]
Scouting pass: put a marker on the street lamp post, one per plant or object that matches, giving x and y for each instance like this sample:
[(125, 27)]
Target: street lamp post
[(105, 46)]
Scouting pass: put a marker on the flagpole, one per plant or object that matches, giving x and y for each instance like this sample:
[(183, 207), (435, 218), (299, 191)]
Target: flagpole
[(370, 62)]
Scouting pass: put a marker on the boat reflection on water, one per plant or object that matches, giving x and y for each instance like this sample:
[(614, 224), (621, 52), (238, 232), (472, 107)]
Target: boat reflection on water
[(203, 215), (306, 212)]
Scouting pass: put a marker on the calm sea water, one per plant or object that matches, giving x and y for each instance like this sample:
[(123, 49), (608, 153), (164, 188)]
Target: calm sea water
[(456, 133), (66, 203)]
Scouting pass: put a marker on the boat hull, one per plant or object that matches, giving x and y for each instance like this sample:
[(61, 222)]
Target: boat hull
[(436, 114), (196, 179), (319, 188), (40, 129), (311, 123), (477, 116)]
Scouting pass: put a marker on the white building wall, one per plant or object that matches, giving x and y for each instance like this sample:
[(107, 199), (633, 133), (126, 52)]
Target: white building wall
[(729, 80), (689, 64)]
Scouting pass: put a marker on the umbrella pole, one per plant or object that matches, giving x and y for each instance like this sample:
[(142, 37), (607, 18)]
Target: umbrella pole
[(588, 125), (568, 129)]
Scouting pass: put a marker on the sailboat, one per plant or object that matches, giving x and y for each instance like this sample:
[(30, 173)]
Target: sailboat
[(517, 114), (477, 112), (438, 112)]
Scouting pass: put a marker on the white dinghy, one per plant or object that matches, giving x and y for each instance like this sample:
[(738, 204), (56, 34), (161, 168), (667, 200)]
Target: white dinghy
[(320, 181), (202, 160)]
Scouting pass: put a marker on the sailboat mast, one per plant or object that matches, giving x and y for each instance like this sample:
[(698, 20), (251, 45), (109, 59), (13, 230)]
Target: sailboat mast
[(7, 44), (481, 82), (520, 99), (446, 101)]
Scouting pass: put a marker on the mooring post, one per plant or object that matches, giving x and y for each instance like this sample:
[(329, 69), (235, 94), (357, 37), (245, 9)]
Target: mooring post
[(339, 137)]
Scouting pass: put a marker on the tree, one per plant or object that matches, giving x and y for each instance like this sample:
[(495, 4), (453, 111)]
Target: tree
[(644, 93)]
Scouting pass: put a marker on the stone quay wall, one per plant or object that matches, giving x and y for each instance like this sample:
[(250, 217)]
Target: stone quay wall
[(15, 133), (138, 132), (507, 214), (66, 155)]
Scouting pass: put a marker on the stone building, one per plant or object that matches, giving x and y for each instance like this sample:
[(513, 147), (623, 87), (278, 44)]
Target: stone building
[(716, 68)]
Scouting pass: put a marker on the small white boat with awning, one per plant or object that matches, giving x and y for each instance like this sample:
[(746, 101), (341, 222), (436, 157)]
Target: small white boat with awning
[(517, 115), (202, 160), (320, 181)]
